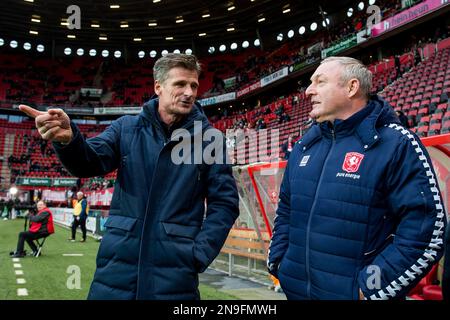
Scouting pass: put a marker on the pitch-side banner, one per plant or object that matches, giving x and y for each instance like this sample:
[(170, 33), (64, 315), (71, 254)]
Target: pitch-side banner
[(217, 99), (117, 110), (407, 16), (274, 76), (248, 89)]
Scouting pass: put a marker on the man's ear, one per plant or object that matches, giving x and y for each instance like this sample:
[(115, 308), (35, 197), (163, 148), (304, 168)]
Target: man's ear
[(157, 87), (353, 87)]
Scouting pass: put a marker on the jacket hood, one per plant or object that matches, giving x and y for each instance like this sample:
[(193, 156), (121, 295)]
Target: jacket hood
[(364, 124)]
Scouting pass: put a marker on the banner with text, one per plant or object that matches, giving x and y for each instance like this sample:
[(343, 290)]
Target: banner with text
[(217, 99), (46, 182), (274, 76), (408, 15), (339, 47), (117, 110), (248, 89)]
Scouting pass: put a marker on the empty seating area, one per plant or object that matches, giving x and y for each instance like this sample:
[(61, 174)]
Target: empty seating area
[(25, 154), (422, 94)]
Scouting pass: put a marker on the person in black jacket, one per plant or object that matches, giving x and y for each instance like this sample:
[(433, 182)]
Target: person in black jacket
[(174, 201), (41, 226)]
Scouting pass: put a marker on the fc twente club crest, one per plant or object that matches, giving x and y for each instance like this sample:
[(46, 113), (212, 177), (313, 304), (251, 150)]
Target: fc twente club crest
[(352, 162)]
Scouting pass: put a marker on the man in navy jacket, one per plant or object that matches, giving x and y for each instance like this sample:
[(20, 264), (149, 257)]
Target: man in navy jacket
[(360, 214), (160, 232)]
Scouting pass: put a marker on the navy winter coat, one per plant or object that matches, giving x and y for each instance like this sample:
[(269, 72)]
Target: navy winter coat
[(359, 208), (158, 235)]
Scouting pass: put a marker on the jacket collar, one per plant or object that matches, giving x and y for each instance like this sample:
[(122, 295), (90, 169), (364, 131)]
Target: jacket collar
[(150, 112), (363, 124)]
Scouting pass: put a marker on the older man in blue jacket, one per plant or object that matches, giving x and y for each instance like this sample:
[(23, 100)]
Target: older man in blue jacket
[(159, 233), (360, 213)]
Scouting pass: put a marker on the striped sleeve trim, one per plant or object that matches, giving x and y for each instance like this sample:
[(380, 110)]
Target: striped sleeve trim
[(436, 243)]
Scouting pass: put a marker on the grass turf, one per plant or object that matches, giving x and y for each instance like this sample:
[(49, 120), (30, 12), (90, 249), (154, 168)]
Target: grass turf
[(52, 275)]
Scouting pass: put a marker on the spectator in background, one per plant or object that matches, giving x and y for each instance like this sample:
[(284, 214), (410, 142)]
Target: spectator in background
[(80, 214), (287, 147), (403, 119), (398, 66), (41, 226), (359, 193)]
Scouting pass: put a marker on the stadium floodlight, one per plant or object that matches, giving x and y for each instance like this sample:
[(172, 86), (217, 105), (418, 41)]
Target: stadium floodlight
[(350, 12), (92, 52), (371, 2), (13, 191), (256, 43), (117, 54), (245, 44), (176, 51), (141, 54), (13, 44), (40, 48), (2, 42), (280, 37), (153, 54), (80, 52), (361, 6), (67, 51), (222, 48), (233, 46), (188, 51), (164, 52), (326, 22), (27, 46), (301, 30), (313, 26), (290, 33), (105, 53)]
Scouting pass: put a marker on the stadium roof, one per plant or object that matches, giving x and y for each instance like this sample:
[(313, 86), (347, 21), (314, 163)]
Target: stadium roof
[(158, 24)]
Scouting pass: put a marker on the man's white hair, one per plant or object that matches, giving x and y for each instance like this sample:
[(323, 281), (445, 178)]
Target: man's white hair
[(353, 68), (79, 193)]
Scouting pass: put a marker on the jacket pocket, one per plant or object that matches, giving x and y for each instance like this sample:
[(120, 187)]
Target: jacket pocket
[(120, 222), (180, 245), (179, 230)]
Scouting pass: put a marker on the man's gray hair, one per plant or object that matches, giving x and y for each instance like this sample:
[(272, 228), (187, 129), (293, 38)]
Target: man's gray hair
[(354, 69), (174, 60)]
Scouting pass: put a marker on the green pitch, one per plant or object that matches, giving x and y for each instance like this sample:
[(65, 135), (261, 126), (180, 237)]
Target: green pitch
[(64, 271)]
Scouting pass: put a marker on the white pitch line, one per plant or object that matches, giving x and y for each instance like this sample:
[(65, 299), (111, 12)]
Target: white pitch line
[(17, 265), (16, 260), (22, 292), (18, 272), (72, 255), (21, 281)]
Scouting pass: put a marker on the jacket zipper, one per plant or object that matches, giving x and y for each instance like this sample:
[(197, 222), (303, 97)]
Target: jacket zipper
[(308, 287), (166, 141), (146, 210)]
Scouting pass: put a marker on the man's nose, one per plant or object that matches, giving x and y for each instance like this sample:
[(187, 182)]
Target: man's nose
[(309, 91), (188, 91)]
